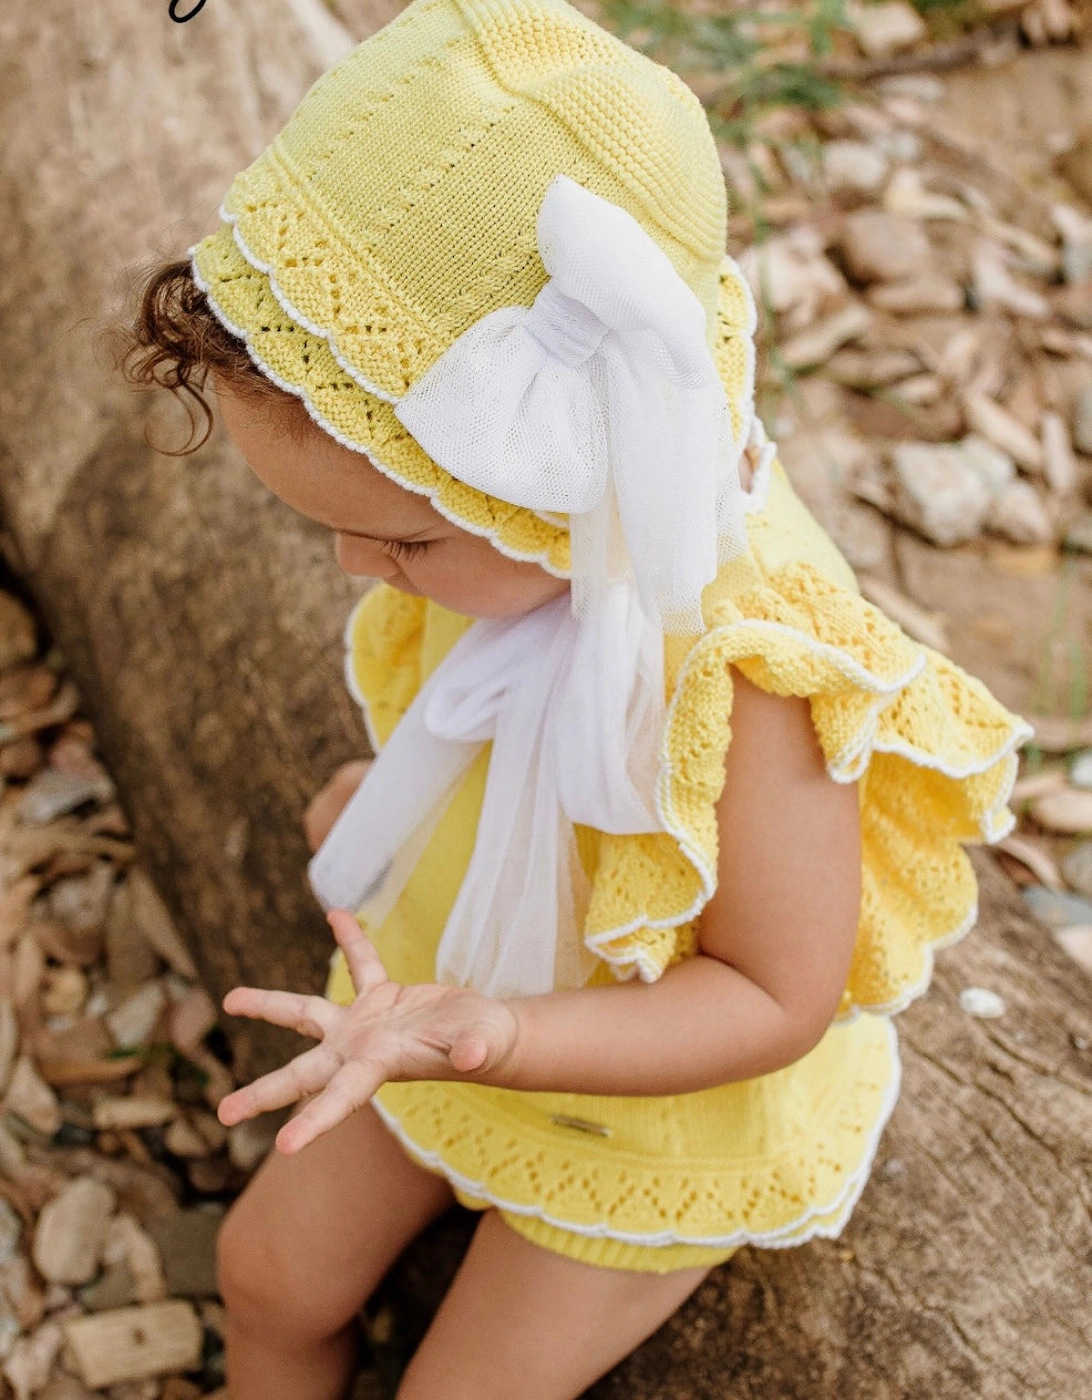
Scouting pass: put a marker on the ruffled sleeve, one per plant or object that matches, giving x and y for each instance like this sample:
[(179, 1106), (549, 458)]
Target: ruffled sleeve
[(935, 754)]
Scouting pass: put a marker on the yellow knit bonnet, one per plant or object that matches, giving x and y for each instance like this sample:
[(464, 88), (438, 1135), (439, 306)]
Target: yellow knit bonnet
[(398, 205)]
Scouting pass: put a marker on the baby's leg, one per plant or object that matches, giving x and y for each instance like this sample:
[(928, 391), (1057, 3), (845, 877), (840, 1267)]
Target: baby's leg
[(522, 1321), (305, 1245)]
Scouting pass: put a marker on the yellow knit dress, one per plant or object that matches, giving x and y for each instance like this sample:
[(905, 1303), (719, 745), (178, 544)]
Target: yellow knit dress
[(663, 1183)]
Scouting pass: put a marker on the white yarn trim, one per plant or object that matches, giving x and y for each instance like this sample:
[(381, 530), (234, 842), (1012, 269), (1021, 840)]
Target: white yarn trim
[(795, 1232), (297, 391)]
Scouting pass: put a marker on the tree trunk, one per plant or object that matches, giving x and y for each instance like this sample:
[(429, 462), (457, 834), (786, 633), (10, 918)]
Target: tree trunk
[(202, 621)]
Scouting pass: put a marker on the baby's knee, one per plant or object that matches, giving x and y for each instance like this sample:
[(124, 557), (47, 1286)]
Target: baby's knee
[(263, 1287)]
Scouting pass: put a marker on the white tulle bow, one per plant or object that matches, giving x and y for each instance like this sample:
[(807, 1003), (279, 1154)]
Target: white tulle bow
[(601, 401), (573, 709)]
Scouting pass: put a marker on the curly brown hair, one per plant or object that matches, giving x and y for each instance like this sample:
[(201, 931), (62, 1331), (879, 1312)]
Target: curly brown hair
[(174, 341)]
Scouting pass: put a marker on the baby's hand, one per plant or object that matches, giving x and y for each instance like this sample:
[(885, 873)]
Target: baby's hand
[(389, 1033), (330, 801)]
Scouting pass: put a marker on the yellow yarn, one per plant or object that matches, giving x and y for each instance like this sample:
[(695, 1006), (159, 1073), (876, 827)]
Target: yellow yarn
[(776, 1159)]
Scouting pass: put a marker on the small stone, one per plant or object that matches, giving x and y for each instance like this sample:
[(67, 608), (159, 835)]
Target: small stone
[(130, 1344), (11, 1229), (25, 1294), (977, 1001), (187, 1245), (1080, 769), (1055, 908), (1082, 421), (1018, 514), (1076, 165), (996, 287), (791, 275), (816, 344), (209, 1176), (71, 1230), (65, 991), (886, 28), (881, 247), (1068, 812), (134, 1020), (63, 1387), (113, 1289), (1079, 534), (1059, 463), (81, 901), (1076, 941), (128, 1243), (31, 1099), (1077, 868), (924, 295), (998, 426), (31, 1360), (183, 1140), (907, 196), (250, 1142), (130, 957), (9, 1040), (920, 389), (52, 794), (866, 369), (77, 948), (21, 759), (946, 490), (136, 1111), (191, 1019), (853, 166)]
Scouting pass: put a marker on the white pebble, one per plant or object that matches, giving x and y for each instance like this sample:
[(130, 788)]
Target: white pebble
[(977, 1001)]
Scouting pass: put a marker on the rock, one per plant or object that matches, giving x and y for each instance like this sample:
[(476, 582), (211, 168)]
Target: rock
[(1082, 421), (18, 633), (866, 369), (945, 491), (126, 1242), (1068, 812), (113, 1289), (191, 1019), (75, 947), (998, 426), (150, 915), (31, 1360), (31, 1099), (63, 1387), (1076, 165), (980, 1002), (1076, 231), (881, 247), (9, 1040), (135, 1111), (1077, 942), (886, 28), (71, 1230), (816, 344), (24, 689), (250, 1142), (907, 196), (790, 274), (130, 957), (209, 1176), (1019, 515), (927, 294), (1079, 534), (1080, 770), (920, 389), (187, 1245), (25, 1295), (21, 759), (1056, 909), (53, 794), (853, 166), (1059, 463), (134, 1020), (81, 901), (132, 1343), (183, 1140), (1077, 868), (996, 287), (11, 1229), (65, 991), (920, 87)]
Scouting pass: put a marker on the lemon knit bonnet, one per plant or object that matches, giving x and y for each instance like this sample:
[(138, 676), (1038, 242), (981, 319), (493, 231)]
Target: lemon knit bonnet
[(398, 206)]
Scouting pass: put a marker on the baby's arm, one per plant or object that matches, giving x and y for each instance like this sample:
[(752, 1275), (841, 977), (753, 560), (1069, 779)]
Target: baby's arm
[(776, 938)]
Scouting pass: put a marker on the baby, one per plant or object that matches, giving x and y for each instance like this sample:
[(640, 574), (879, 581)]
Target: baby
[(665, 819)]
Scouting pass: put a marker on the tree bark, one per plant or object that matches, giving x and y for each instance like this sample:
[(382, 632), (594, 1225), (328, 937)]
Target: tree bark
[(202, 621)]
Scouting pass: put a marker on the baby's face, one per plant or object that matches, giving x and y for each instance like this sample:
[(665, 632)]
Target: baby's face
[(380, 529)]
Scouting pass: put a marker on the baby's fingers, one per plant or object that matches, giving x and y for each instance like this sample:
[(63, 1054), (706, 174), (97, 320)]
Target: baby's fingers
[(306, 1074), (365, 967), (349, 1089), (313, 1016)]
